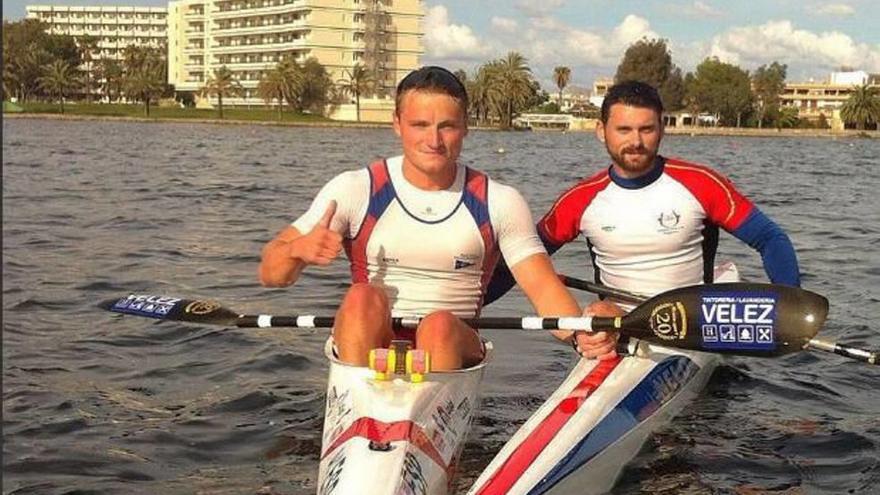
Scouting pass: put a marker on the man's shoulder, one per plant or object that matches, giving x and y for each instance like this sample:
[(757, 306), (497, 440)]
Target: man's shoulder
[(586, 189), (684, 168), (351, 178)]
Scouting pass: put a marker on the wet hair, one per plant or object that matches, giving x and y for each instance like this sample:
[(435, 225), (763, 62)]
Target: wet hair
[(634, 94), (432, 79)]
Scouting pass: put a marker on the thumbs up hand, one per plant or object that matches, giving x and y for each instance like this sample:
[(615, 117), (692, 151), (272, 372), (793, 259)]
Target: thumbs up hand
[(320, 245)]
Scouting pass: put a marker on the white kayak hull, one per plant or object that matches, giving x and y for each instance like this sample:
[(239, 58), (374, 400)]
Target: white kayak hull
[(580, 439), (390, 437), (596, 421)]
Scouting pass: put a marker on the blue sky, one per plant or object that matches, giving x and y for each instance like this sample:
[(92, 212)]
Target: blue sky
[(813, 37)]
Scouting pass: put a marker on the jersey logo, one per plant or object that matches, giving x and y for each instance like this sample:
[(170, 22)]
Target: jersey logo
[(669, 222)]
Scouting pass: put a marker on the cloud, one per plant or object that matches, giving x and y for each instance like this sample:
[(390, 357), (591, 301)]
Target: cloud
[(505, 24), (836, 9), (549, 42), (444, 40), (702, 10), (780, 40), (539, 8)]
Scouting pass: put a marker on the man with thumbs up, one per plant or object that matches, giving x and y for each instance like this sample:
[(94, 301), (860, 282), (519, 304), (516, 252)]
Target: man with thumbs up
[(422, 234)]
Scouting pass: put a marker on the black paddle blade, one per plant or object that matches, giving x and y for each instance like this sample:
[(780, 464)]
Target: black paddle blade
[(734, 318), (172, 308)]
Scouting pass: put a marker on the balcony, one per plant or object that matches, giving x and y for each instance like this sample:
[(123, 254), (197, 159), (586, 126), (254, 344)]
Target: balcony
[(232, 49), (275, 9), (239, 66), (262, 29)]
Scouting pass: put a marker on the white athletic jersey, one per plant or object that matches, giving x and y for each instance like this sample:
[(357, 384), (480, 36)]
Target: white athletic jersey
[(429, 250), (650, 234)]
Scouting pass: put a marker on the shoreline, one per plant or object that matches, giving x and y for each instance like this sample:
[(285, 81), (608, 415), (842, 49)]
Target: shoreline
[(671, 131)]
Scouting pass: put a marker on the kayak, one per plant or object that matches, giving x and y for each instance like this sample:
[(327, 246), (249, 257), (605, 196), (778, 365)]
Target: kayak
[(395, 433), (581, 438)]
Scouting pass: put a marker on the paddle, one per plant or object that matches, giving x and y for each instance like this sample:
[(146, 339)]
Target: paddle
[(738, 318), (811, 344)]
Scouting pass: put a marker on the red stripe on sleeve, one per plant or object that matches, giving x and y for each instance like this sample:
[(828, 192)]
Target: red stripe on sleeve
[(562, 224), (723, 204)]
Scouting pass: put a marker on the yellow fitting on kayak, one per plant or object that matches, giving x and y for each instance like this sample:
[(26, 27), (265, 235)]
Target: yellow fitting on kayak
[(418, 364), (618, 321), (382, 362)]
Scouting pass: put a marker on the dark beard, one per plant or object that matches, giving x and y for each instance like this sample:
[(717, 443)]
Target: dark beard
[(646, 161)]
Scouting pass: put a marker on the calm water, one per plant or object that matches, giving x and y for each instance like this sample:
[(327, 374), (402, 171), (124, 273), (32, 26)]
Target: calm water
[(94, 403)]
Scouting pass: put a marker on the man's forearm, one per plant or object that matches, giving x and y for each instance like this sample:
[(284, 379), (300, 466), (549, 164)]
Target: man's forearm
[(278, 268)]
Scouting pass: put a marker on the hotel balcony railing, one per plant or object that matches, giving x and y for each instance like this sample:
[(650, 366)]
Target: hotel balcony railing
[(258, 47), (248, 65), (274, 9), (265, 29)]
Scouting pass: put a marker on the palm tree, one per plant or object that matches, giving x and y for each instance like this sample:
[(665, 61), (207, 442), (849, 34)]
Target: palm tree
[(280, 83), (87, 45), (561, 76), (788, 118), (479, 93), (358, 82), (222, 83), (142, 84), (144, 74), (109, 72), (59, 78), (512, 86), (862, 106)]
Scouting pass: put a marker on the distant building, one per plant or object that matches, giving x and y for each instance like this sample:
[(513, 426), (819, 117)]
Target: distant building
[(600, 88), (815, 100), (115, 27), (251, 36), (571, 98)]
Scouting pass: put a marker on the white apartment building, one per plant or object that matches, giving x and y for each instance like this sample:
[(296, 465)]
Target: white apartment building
[(117, 27), (250, 36)]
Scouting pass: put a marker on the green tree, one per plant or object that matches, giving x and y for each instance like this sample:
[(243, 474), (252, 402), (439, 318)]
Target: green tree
[(109, 72), (144, 74), (511, 87), (63, 47), (479, 94), (88, 45), (59, 80), (768, 82), (222, 83), (862, 106), (561, 76), (788, 118), (27, 51), (278, 83), (315, 90), (650, 61), (358, 81), (720, 89)]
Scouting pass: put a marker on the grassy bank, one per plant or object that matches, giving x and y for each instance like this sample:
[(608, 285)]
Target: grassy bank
[(137, 111)]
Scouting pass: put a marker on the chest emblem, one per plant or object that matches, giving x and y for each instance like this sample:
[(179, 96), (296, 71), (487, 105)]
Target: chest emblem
[(669, 222)]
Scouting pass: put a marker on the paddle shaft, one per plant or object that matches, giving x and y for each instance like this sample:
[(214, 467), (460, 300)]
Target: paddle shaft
[(813, 344), (500, 323)]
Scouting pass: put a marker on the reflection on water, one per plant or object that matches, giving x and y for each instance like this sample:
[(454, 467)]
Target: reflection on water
[(101, 404)]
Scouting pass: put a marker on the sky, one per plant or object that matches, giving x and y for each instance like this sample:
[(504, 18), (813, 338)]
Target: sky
[(812, 37)]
